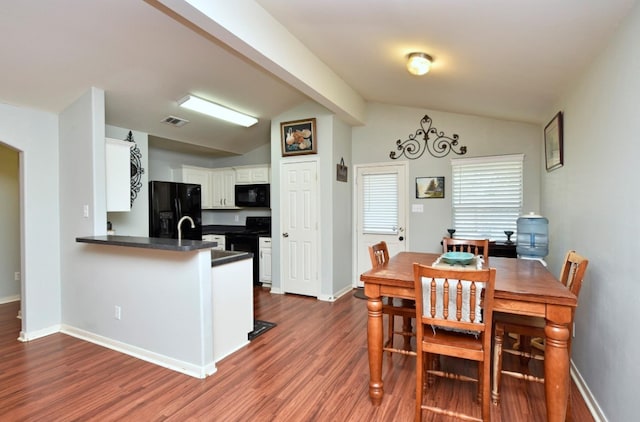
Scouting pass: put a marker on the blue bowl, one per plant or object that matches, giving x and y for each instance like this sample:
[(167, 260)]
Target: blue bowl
[(462, 258)]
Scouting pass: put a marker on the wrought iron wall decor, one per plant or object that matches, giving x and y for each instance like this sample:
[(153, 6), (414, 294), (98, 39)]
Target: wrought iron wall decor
[(435, 142), (136, 168)]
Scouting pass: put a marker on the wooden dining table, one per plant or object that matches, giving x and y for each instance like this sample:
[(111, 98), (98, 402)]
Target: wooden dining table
[(522, 286)]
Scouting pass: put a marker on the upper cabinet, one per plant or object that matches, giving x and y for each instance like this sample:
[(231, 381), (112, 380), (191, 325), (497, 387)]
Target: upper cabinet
[(223, 183), (253, 174), (118, 174), (218, 184), (199, 176)]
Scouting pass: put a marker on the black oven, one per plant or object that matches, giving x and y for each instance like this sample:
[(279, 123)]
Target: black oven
[(253, 195), (246, 240)]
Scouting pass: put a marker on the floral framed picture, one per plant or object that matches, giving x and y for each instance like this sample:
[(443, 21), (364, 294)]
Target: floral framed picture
[(553, 148), (298, 137), (430, 187)]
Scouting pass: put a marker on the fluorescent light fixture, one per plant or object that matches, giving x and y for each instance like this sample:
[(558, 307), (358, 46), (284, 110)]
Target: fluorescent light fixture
[(215, 110), (419, 63)]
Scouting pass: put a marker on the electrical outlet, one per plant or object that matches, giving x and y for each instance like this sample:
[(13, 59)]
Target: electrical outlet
[(85, 211), (237, 218), (118, 313), (16, 276)]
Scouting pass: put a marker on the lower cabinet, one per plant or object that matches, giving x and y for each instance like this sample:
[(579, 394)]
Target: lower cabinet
[(264, 246), (215, 238)]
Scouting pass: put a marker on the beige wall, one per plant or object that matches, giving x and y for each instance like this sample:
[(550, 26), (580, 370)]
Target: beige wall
[(10, 217)]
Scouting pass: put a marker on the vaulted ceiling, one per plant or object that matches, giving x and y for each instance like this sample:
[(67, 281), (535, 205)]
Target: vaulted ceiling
[(498, 58)]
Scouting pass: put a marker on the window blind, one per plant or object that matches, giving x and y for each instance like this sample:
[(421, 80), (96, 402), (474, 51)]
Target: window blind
[(380, 203), (487, 196)]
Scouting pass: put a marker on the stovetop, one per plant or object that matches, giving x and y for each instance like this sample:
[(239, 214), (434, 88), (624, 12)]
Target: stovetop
[(254, 226)]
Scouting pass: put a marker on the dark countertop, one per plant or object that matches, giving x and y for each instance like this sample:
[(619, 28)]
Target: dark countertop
[(184, 245), (225, 257), (221, 229)]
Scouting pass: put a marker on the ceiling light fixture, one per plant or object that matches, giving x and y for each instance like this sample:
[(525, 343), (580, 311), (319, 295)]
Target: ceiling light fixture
[(419, 63), (215, 110)]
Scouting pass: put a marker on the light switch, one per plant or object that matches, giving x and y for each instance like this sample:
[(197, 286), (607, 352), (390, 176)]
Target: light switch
[(417, 208)]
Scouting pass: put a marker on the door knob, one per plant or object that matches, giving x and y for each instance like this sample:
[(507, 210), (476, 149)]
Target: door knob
[(285, 234), (401, 238)]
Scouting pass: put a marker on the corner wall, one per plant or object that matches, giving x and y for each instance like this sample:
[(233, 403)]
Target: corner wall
[(593, 206), (35, 135)]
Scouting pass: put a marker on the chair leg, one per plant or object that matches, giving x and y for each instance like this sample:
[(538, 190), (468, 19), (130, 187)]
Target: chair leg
[(525, 347), (407, 328), (390, 329), (497, 363), (486, 387), (480, 382), (419, 385)]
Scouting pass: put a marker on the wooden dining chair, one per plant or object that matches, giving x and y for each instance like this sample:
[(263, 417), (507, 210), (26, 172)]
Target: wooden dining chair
[(527, 327), (392, 307), (474, 246), (454, 309)]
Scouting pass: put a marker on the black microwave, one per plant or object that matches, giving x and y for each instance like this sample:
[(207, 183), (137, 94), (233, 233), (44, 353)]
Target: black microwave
[(253, 195)]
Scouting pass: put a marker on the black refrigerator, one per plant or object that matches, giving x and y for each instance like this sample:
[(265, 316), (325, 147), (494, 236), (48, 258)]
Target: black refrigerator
[(168, 203)]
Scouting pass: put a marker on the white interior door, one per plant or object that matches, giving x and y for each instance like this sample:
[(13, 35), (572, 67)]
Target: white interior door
[(300, 228), (381, 208)]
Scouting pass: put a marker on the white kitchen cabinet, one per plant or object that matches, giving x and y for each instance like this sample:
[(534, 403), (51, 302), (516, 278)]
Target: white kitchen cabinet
[(252, 174), (118, 174), (200, 176), (264, 246), (215, 238), (223, 183)]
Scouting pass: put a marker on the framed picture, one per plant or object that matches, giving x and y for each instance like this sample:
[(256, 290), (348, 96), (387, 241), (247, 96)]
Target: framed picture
[(299, 137), (430, 187), (553, 151)]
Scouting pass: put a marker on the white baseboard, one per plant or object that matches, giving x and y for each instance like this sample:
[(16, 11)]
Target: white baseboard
[(276, 291), (32, 335), (143, 354), (591, 402), (9, 299)]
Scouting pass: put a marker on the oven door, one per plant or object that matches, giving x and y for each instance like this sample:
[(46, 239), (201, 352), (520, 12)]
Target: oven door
[(245, 243)]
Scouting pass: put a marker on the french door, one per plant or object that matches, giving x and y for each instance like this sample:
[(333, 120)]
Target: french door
[(380, 211)]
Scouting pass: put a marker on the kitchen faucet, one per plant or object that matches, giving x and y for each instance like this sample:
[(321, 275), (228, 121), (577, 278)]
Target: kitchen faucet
[(193, 226)]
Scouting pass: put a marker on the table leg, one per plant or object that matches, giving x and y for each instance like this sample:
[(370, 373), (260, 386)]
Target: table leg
[(374, 338), (556, 370)]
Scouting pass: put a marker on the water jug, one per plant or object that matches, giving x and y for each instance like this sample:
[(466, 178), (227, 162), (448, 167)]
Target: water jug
[(533, 236)]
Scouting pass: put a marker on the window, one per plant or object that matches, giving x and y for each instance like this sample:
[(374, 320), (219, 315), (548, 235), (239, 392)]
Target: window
[(380, 203), (487, 196)]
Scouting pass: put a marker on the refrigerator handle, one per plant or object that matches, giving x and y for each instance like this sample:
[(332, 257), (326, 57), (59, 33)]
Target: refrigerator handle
[(176, 205)]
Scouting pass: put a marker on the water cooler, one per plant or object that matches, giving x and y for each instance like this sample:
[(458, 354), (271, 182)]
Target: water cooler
[(533, 237)]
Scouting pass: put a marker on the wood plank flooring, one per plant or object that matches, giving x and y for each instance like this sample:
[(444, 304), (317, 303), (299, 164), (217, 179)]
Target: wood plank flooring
[(311, 367)]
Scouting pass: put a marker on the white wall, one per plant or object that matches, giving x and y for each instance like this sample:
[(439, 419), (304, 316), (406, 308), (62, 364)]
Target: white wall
[(163, 164), (482, 136), (341, 198), (35, 135), (10, 217), (136, 221), (82, 183), (593, 206), (324, 158)]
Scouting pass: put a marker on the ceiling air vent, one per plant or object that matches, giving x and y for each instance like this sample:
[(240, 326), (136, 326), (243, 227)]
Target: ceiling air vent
[(175, 121)]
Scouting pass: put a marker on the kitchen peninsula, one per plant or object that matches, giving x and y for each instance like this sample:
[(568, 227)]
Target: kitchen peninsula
[(174, 303)]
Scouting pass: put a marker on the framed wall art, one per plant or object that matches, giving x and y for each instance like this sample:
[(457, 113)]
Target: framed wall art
[(553, 148), (298, 137), (430, 187)]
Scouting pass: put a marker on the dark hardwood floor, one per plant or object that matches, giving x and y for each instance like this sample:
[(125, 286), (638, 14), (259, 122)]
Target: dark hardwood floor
[(311, 367)]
